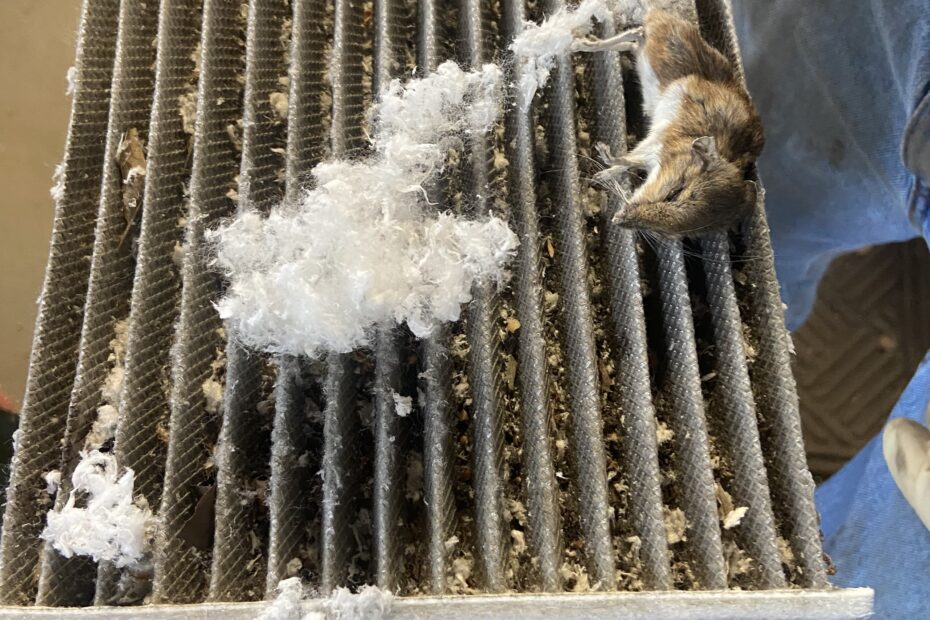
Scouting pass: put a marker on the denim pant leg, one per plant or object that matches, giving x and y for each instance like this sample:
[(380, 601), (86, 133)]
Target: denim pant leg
[(837, 83)]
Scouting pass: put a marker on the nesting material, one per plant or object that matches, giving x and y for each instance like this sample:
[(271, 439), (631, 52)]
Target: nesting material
[(57, 190), (370, 603), (71, 79), (539, 46), (364, 249), (103, 428), (403, 405), (109, 524), (286, 605), (633, 12), (52, 481), (734, 517)]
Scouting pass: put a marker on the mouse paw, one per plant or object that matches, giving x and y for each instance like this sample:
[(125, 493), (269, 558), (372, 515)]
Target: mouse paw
[(604, 153), (606, 157), (608, 175), (622, 216)]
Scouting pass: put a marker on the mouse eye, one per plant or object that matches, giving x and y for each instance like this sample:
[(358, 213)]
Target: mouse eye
[(674, 195)]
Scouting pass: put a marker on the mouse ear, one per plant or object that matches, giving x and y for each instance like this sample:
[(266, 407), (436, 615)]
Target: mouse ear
[(704, 150)]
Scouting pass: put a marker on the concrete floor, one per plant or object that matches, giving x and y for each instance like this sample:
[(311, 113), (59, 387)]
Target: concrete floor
[(859, 348), (36, 48)]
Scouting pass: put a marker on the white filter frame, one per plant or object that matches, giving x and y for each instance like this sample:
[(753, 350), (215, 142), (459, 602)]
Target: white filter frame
[(730, 605)]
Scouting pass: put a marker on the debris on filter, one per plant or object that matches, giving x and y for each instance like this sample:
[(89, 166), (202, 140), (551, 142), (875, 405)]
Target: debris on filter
[(575, 577), (734, 517), (630, 578), (213, 393), (71, 77), (370, 603), (539, 46), (724, 499), (17, 434), (187, 108), (785, 552), (113, 384), (104, 426), (111, 525), (52, 481), (462, 568), (279, 103), (215, 385), (130, 155), (363, 250), (663, 433), (403, 405), (58, 183), (286, 605), (738, 563), (676, 525), (293, 566), (187, 102), (233, 130), (177, 254)]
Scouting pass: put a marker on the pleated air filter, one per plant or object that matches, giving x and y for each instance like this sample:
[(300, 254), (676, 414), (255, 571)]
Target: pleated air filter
[(617, 416)]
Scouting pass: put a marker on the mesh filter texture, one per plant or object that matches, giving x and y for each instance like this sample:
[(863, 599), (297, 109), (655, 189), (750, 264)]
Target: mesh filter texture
[(613, 383)]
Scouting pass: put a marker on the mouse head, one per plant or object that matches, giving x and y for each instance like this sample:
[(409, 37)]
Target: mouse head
[(695, 192)]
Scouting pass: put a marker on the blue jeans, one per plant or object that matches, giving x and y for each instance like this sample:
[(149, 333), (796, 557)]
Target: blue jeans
[(837, 83), (842, 86)]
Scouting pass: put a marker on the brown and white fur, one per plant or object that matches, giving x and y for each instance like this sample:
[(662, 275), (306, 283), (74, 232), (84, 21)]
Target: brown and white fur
[(703, 137)]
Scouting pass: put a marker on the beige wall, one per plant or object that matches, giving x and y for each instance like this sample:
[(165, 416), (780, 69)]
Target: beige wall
[(36, 49)]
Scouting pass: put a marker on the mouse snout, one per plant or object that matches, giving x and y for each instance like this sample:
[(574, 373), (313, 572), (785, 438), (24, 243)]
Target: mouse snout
[(636, 214), (622, 216), (666, 218)]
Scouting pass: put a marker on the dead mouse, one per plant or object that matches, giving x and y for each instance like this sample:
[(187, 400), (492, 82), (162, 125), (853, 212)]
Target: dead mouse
[(703, 137)]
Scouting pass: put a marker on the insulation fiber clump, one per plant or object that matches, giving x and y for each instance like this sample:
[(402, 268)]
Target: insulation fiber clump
[(539, 46), (364, 248), (101, 518)]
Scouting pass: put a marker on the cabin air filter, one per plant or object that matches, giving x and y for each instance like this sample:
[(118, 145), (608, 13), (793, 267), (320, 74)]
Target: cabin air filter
[(335, 324)]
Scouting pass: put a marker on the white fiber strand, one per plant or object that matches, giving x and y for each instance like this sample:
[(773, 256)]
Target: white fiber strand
[(537, 48)]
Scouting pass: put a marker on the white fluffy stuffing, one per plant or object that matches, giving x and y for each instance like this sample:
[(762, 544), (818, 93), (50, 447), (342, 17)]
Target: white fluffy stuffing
[(58, 183), (71, 78), (112, 525), (364, 249), (538, 47), (403, 405), (734, 517), (371, 603), (629, 12), (286, 605), (52, 481), (104, 426)]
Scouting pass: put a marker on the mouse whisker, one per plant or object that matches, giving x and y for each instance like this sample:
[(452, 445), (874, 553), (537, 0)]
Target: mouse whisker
[(600, 165)]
